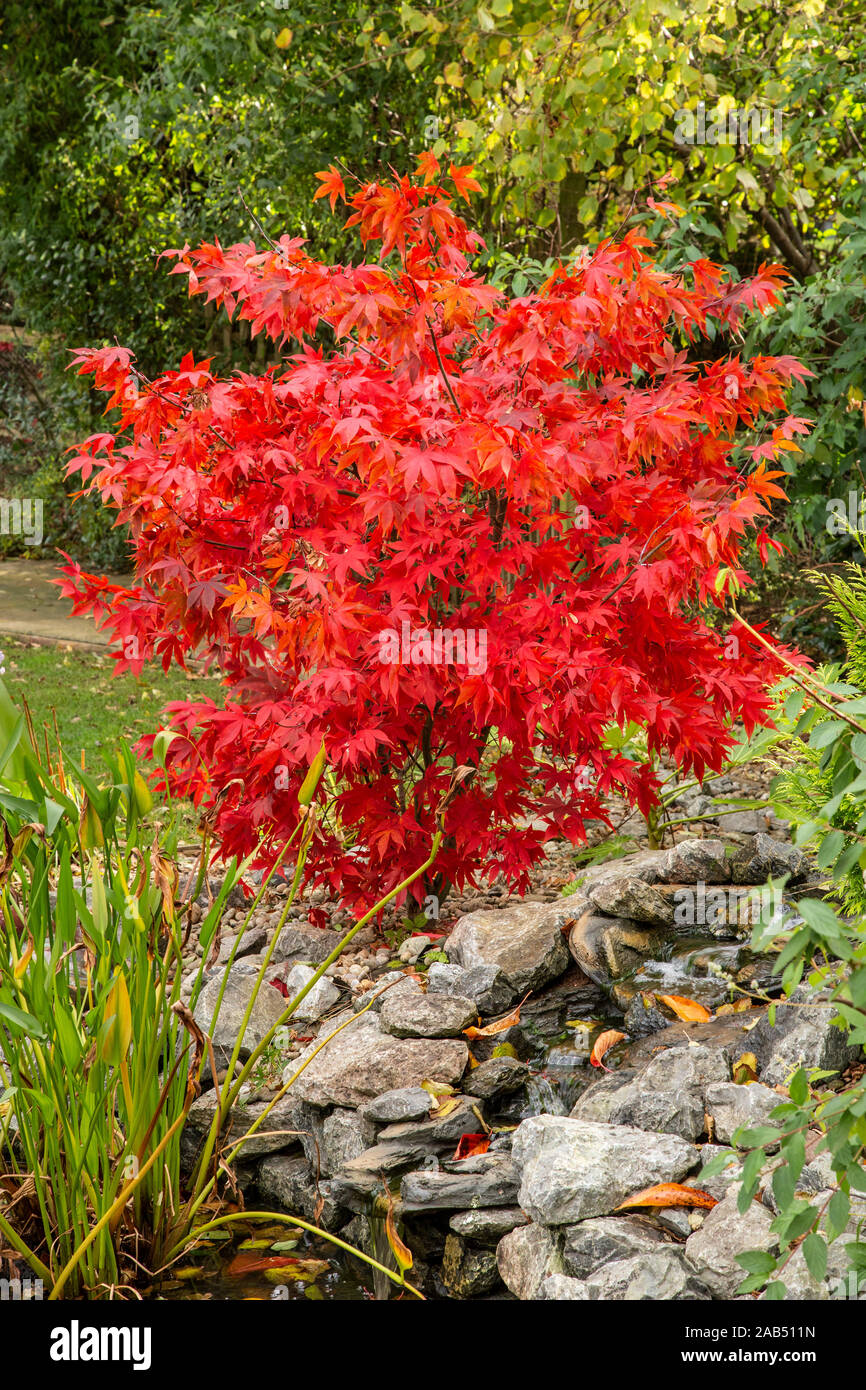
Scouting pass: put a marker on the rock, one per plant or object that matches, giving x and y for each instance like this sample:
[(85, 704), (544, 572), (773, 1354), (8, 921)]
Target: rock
[(413, 947), (309, 947), (445, 979), (696, 861), (466, 1271), (597, 1242), (489, 989), (642, 1018), (399, 986), (570, 1169), (730, 1034), (284, 1117), (266, 1012), (725, 1234), (802, 1035), (344, 1137), (427, 1016), (363, 1175), (628, 896), (437, 1131), (525, 942), (361, 1063), (719, 1185), (496, 1186), (403, 1103), (730, 1106), (606, 948), (767, 858), (675, 1220), (743, 822), (498, 1077), (558, 1288), (322, 997), (662, 1275), (286, 1181), (667, 1096), (525, 1257), (487, 1227)]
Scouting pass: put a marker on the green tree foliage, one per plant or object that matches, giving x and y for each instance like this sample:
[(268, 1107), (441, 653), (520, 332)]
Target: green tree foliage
[(129, 128), (569, 110)]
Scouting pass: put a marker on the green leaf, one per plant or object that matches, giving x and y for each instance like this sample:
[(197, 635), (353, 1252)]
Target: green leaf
[(775, 1292), (756, 1262), (838, 1212), (815, 1255), (17, 1018)]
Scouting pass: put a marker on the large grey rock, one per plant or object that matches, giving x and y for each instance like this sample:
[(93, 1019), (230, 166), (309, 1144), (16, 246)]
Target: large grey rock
[(570, 1169), (712, 1250), (666, 1096), (558, 1288), (285, 1180), (696, 861), (607, 948), (767, 858), (399, 986), (802, 1035), (280, 1129), (629, 896), (322, 997), (525, 1257), (363, 1175), (498, 1077), (525, 942), (361, 1063), (660, 1276), (591, 1244), (266, 1012), (403, 1103), (487, 1227), (486, 985), (494, 1186), (310, 947), (344, 1137), (464, 1117), (428, 1016), (730, 1106)]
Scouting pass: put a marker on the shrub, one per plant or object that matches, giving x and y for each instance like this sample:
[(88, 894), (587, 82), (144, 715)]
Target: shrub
[(557, 478)]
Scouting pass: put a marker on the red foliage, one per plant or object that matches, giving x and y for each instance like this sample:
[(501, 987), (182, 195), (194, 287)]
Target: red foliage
[(557, 473)]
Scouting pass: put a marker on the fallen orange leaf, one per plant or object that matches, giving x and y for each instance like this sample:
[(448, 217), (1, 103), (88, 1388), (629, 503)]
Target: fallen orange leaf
[(603, 1043), (686, 1009), (669, 1194), (500, 1026)]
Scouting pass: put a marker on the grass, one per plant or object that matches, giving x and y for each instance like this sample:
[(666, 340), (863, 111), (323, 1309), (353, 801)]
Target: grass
[(95, 710)]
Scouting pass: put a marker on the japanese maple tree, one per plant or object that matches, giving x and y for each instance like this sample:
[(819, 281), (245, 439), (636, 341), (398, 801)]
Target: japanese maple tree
[(563, 477)]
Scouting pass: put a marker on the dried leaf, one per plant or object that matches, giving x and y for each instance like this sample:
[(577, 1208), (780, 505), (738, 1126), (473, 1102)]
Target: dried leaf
[(603, 1043), (401, 1252), (745, 1069), (668, 1194), (686, 1009), (500, 1026), (471, 1144)]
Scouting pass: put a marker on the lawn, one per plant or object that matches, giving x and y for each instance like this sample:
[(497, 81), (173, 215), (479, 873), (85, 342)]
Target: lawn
[(95, 709)]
